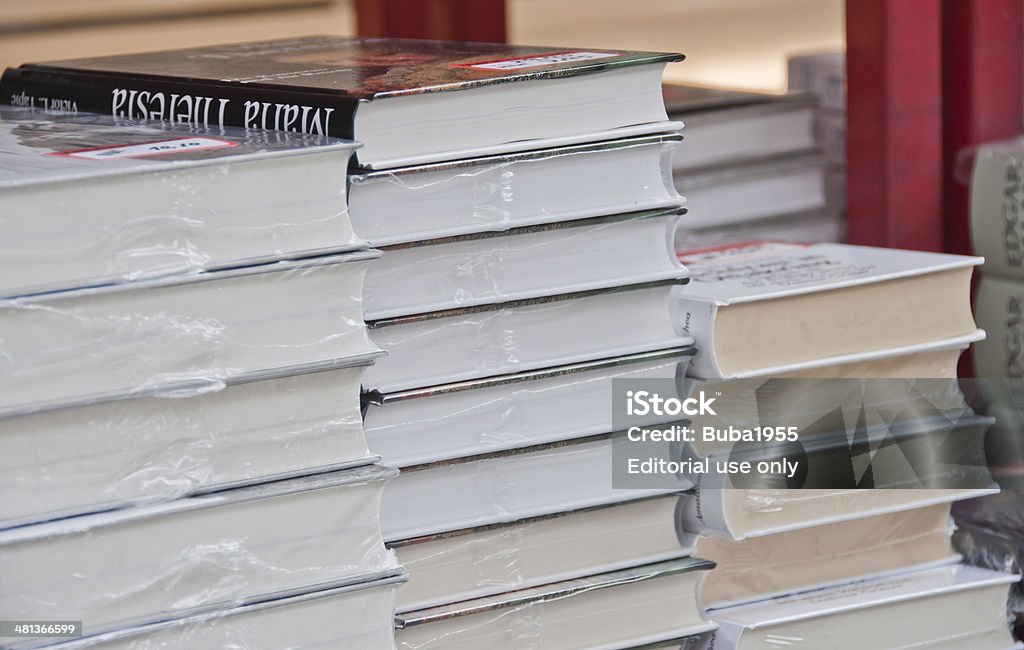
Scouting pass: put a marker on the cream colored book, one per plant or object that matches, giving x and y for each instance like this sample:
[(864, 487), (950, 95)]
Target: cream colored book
[(742, 513), (610, 611), (767, 308), (945, 608), (764, 567), (478, 562), (510, 337), (199, 554), (528, 262)]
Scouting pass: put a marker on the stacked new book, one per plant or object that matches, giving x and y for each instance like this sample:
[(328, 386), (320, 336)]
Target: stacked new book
[(522, 198), (834, 566), (824, 74), (182, 460), (751, 168)]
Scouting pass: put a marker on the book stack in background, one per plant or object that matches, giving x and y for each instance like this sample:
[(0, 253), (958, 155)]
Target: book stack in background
[(751, 168), (988, 528), (831, 566), (522, 199), (182, 460), (824, 75), (997, 234)]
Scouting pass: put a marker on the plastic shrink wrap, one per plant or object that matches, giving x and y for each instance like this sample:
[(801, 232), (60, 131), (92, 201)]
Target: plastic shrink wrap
[(128, 200), (494, 414), (166, 335), (528, 262), (990, 533), (654, 603), (964, 609), (144, 565), (349, 616), (487, 560), (504, 487), (503, 192)]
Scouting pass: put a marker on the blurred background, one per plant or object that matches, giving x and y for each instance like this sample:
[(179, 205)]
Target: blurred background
[(735, 43)]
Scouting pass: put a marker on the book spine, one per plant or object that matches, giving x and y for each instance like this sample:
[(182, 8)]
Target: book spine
[(702, 511), (997, 208), (179, 101), (696, 318), (999, 309)]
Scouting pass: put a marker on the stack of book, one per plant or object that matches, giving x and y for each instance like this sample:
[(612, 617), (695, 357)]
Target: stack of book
[(836, 567), (997, 233), (181, 450), (751, 168), (824, 75), (522, 198)]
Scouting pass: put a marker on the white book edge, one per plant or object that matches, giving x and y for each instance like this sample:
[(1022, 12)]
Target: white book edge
[(650, 128)]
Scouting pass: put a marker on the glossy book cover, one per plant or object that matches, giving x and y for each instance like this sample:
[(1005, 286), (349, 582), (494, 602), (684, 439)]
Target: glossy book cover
[(310, 85)]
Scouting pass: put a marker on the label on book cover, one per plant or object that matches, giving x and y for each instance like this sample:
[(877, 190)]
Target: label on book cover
[(537, 61), (145, 149)]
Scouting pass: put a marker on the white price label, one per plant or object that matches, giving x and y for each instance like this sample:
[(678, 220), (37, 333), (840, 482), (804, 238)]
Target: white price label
[(145, 149)]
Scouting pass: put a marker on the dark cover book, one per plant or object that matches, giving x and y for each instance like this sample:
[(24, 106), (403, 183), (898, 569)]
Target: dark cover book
[(309, 85), (681, 99)]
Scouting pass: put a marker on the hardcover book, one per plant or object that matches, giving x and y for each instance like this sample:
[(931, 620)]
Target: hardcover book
[(724, 127), (612, 611), (769, 566), (112, 454), (815, 227), (831, 303), (144, 565), (742, 513), (407, 101), (504, 338), (523, 263), (182, 334), (307, 620), (93, 199), (506, 486), (501, 192), (964, 607), (751, 192), (469, 418), (485, 561)]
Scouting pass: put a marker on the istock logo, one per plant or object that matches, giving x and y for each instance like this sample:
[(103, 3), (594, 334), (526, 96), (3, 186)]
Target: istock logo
[(643, 402)]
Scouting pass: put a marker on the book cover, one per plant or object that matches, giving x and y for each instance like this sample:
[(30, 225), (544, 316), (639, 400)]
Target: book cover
[(809, 294), (310, 84)]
